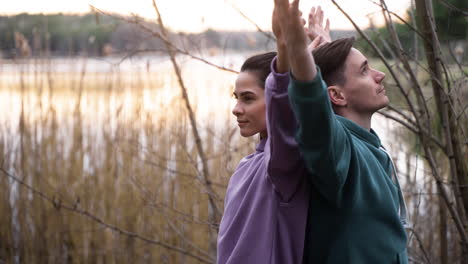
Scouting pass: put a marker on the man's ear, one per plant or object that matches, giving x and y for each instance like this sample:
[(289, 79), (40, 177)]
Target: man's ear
[(336, 96)]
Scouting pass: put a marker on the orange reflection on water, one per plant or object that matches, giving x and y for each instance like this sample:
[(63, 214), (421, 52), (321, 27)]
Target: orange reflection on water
[(104, 93)]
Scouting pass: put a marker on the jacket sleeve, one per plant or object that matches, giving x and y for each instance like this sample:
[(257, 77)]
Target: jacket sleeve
[(323, 141), (285, 166)]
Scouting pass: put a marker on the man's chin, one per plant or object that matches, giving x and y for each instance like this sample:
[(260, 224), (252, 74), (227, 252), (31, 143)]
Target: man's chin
[(385, 103)]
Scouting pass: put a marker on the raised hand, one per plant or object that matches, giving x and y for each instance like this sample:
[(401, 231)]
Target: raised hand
[(315, 30), (276, 28), (282, 62), (289, 22), (291, 25)]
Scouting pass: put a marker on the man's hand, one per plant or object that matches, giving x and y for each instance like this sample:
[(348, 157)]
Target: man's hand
[(315, 30), (292, 29)]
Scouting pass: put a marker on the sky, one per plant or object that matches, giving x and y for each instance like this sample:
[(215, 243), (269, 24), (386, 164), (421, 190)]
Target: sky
[(199, 15)]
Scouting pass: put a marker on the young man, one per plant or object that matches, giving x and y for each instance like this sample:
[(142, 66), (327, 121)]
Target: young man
[(356, 209)]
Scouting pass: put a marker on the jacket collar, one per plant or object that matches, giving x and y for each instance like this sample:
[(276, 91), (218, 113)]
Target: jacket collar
[(369, 136)]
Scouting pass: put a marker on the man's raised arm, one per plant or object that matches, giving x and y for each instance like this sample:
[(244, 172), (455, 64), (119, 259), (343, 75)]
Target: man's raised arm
[(300, 59)]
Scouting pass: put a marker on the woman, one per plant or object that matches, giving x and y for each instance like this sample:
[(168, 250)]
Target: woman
[(266, 201)]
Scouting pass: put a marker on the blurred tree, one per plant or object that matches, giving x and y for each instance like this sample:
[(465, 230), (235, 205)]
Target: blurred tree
[(451, 19)]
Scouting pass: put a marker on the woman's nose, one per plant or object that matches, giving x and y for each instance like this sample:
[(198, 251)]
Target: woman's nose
[(237, 110)]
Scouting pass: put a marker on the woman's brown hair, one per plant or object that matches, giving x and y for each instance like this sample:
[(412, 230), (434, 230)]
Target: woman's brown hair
[(260, 65)]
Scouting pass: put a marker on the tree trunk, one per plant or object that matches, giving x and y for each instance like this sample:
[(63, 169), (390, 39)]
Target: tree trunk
[(443, 232), (453, 148)]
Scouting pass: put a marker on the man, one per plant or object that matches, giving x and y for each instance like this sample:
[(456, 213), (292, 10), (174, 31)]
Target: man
[(356, 209)]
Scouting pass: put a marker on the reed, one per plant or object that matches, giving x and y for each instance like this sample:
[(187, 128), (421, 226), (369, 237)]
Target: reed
[(117, 147)]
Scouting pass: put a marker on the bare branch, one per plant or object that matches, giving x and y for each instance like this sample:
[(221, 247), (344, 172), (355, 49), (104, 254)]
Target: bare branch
[(421, 245), (214, 211), (403, 56), (405, 116), (149, 196), (163, 38), (267, 34), (58, 204), (454, 8), (382, 58), (399, 18), (411, 128)]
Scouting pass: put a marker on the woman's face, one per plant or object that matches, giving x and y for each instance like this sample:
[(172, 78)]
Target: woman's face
[(250, 106)]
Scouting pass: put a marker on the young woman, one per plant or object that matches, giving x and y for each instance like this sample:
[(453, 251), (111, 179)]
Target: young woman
[(266, 201), (265, 209)]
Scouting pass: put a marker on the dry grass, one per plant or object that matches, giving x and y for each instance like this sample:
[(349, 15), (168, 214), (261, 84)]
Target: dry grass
[(115, 144)]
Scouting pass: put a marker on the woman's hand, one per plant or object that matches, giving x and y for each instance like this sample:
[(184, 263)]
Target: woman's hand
[(318, 34)]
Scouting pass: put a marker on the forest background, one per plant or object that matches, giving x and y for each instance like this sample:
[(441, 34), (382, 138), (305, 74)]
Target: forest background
[(116, 148)]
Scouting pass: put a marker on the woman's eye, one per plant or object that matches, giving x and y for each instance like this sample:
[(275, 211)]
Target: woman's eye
[(247, 98)]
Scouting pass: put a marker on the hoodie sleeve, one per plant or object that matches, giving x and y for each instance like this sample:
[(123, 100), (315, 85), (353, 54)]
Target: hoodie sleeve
[(284, 162)]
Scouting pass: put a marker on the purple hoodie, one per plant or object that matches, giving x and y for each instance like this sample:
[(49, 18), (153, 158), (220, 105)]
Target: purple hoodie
[(265, 208)]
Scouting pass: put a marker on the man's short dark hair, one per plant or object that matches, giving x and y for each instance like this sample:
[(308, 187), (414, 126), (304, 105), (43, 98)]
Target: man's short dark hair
[(331, 59), (260, 65)]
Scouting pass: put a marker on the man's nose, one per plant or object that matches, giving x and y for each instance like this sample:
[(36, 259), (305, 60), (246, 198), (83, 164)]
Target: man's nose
[(379, 76)]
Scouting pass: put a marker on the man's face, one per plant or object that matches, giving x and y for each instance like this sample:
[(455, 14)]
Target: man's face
[(363, 89)]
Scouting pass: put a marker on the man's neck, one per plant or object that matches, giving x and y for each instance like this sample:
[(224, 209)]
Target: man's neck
[(360, 119)]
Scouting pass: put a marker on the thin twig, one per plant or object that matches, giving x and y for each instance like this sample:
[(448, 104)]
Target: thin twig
[(164, 39), (58, 204), (267, 34), (214, 212)]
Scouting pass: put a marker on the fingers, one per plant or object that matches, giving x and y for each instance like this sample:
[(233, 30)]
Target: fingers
[(319, 16), (315, 43), (327, 25), (312, 17), (295, 7), (303, 21), (316, 16), (282, 4)]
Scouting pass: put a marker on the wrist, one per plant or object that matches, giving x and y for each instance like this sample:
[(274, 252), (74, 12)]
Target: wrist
[(282, 60), (296, 53), (281, 44)]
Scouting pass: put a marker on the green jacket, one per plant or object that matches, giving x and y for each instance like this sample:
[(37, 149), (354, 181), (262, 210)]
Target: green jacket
[(354, 205)]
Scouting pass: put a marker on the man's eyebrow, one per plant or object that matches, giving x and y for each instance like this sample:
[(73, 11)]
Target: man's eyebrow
[(364, 64)]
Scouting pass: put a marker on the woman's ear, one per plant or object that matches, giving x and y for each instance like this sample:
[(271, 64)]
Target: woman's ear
[(336, 96)]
